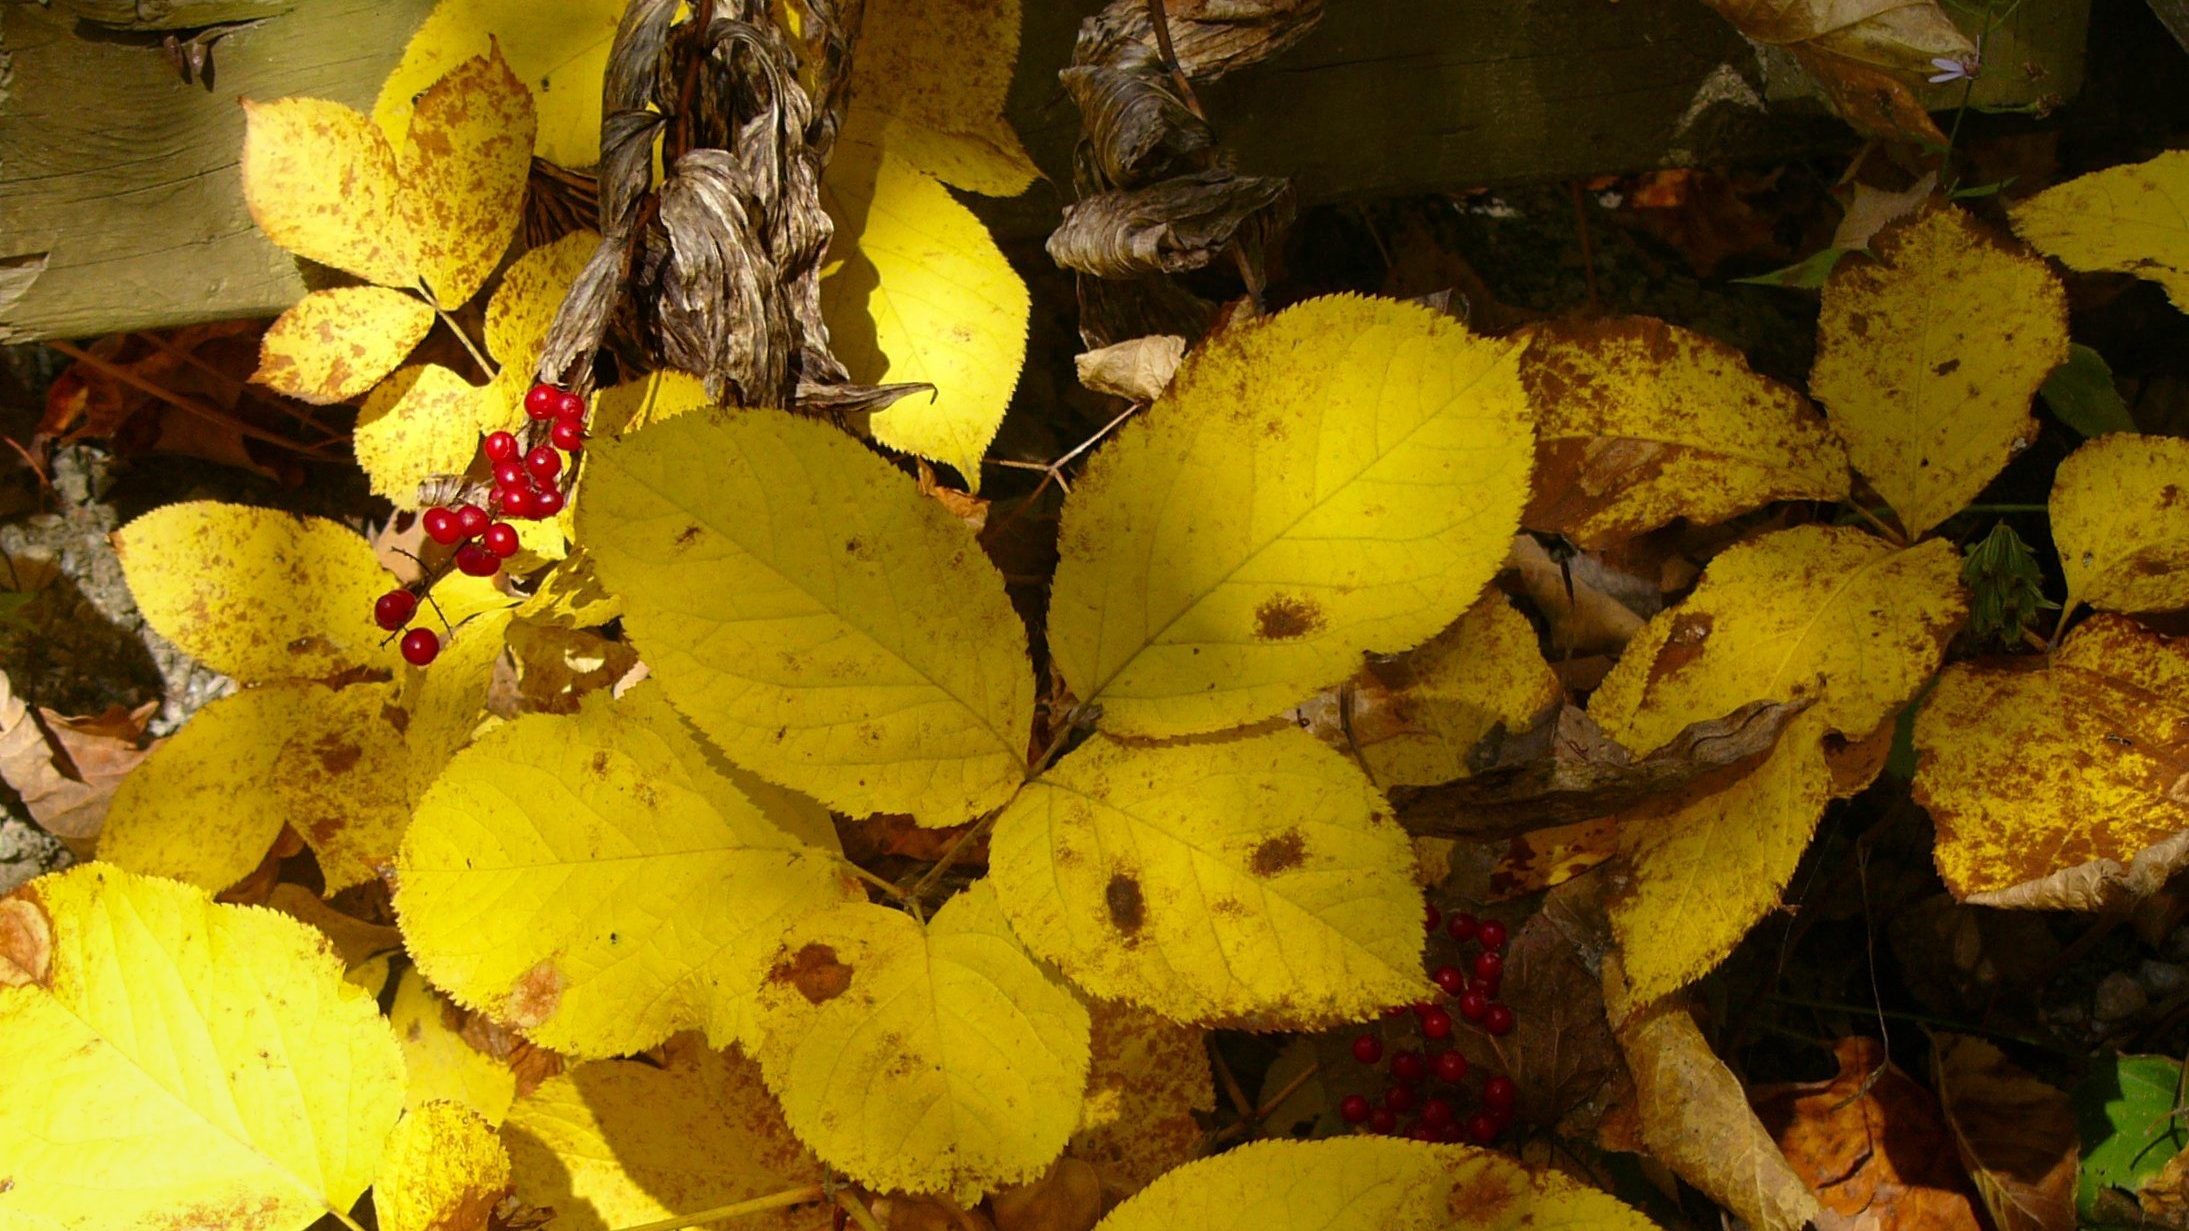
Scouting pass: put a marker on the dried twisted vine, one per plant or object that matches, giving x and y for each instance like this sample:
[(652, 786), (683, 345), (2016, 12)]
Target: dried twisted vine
[(716, 271)]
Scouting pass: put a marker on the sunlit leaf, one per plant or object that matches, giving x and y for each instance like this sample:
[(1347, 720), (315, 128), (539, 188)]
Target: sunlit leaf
[(332, 345), (560, 58), (946, 121), (920, 293), (824, 623), (444, 1171), (321, 181), (594, 881), (464, 163), (194, 1064), (438, 1065), (928, 1058), (1928, 356), (1252, 877), (1342, 477), (419, 422)]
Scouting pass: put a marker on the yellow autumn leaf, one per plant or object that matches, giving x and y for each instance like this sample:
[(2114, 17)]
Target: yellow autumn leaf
[(560, 55), (1256, 877), (652, 398), (465, 158), (1414, 719), (1368, 1183), (2120, 518), (438, 1065), (1148, 1077), (334, 344), (517, 320), (1640, 422), (920, 293), (350, 775), (445, 1171), (617, 1143), (206, 806), (2132, 218), (1700, 872), (1342, 477), (825, 624), (254, 593), (2059, 785), (175, 1061), (915, 90), (321, 181), (594, 881), (571, 596), (420, 422), (1827, 613), (1927, 359), (928, 1058)]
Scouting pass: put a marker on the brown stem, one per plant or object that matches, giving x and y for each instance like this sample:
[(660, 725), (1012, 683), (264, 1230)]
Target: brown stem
[(179, 402)]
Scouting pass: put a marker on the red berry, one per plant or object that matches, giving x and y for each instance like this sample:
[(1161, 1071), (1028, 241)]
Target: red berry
[(1489, 965), (1397, 1010), (1492, 934), (394, 609), (1461, 928), (1473, 1004), (1501, 1116), (1481, 1128), (1368, 1049), (1382, 1120), (1400, 1097), (1421, 1132), (1488, 987), (1498, 1019), (567, 435), (541, 399), (546, 503), (442, 526), (1498, 1092), (1436, 1113), (471, 519), (1450, 979), (499, 446), (569, 405), (1432, 918), (1436, 1024), (1408, 1066), (510, 474), (543, 462), (420, 647), (1354, 1107), (1450, 1066), (477, 561), (1421, 1008), (501, 539), (516, 501)]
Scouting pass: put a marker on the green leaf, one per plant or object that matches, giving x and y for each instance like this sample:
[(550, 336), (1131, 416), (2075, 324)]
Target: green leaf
[(2081, 394), (1808, 273), (2124, 1112)]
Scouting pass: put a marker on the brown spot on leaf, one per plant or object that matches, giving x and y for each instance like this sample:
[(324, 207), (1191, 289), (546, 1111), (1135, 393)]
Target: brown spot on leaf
[(687, 536), (1286, 851), (338, 756), (815, 972), (1128, 910), (1283, 618), (1484, 1196), (26, 942), (599, 764), (1948, 368), (535, 997)]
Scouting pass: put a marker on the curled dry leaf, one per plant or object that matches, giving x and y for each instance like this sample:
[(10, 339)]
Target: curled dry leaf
[(2016, 1135), (1696, 1118), (1584, 611), (2061, 784), (1171, 226), (1872, 1144), (1569, 771), (1561, 1053), (1138, 369), (1864, 55), (65, 770), (1068, 1197), (1640, 422)]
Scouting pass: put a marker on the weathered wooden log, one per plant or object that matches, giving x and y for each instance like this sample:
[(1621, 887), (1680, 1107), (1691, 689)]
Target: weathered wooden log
[(121, 207)]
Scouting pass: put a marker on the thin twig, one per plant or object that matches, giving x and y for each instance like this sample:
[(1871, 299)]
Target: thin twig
[(1237, 1095), (486, 367), (1158, 18), (895, 893), (757, 1205), (851, 1205), (294, 409), (179, 402), (919, 889), (1891, 535)]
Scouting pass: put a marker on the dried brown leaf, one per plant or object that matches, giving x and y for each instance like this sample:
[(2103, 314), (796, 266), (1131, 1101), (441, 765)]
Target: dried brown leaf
[(2016, 1135), (66, 769)]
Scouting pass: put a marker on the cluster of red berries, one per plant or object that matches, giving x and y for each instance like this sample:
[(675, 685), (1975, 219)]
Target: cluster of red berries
[(527, 486), (1405, 1107)]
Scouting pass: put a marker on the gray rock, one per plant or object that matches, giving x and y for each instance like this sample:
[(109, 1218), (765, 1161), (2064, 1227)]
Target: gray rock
[(2162, 978), (2119, 996)]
